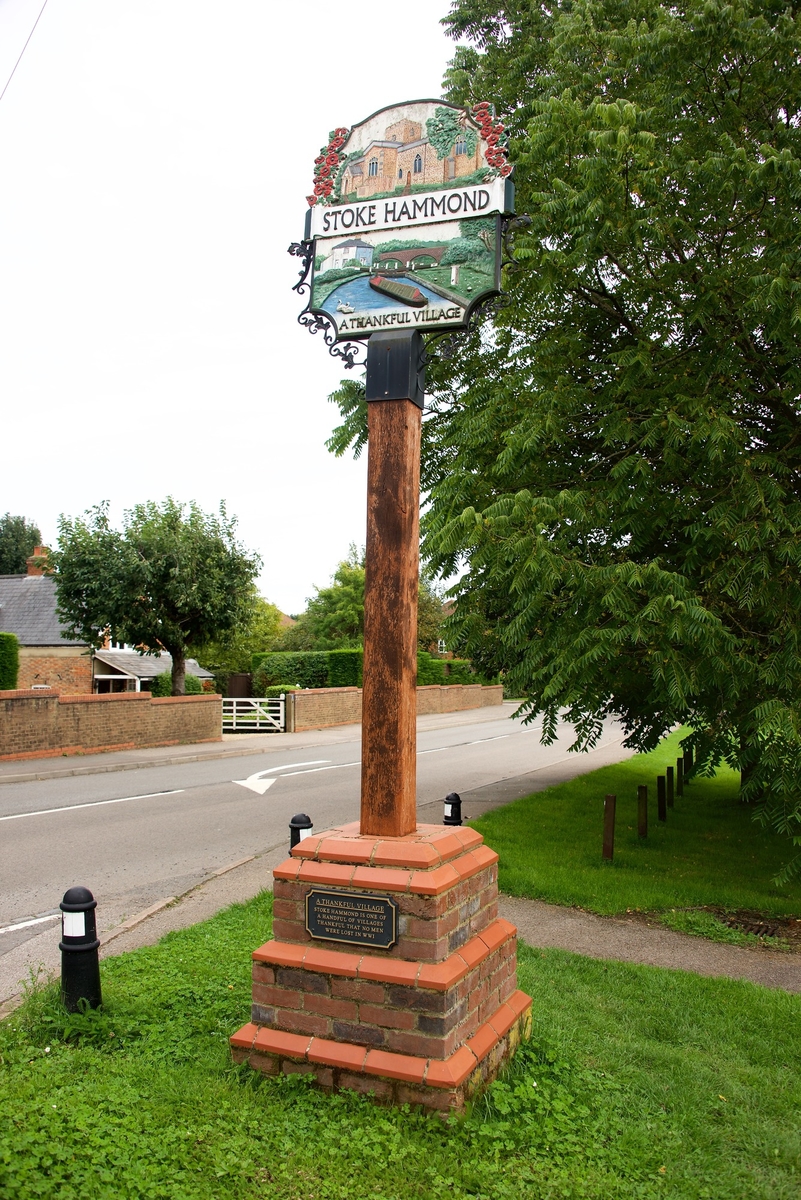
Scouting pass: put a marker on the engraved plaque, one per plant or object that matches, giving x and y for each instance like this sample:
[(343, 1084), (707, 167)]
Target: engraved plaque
[(352, 917)]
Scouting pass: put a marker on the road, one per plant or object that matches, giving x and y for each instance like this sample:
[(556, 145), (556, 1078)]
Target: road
[(136, 837)]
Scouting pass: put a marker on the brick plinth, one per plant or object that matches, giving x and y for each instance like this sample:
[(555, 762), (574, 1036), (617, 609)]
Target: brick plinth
[(429, 1021)]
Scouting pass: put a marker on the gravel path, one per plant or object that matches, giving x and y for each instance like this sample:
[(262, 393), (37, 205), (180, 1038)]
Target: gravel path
[(542, 925)]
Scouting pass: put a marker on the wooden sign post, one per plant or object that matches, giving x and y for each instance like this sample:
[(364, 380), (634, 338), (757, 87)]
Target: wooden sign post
[(426, 893), (389, 698)]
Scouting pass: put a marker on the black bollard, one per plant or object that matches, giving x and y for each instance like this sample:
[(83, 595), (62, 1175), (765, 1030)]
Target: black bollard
[(688, 763), (300, 827), (669, 774), (642, 811), (453, 809), (610, 803), (661, 798), (80, 968), (679, 776)]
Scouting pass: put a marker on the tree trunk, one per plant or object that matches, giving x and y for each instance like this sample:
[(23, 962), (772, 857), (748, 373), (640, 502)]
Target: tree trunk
[(178, 673)]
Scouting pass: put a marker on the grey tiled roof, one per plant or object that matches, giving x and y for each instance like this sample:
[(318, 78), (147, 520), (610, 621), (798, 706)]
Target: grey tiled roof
[(145, 666), (28, 609)]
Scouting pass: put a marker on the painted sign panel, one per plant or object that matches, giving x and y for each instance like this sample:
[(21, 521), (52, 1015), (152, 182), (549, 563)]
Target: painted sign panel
[(405, 218), (352, 917)]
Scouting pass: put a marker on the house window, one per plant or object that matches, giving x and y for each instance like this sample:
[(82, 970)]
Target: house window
[(373, 167), (400, 172), (418, 164), (460, 147)]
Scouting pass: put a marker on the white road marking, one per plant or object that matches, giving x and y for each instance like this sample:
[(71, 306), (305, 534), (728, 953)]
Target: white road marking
[(257, 782), (25, 924), (43, 812), (499, 738), (335, 767)]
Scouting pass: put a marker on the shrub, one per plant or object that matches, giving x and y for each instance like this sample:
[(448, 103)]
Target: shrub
[(345, 668), (9, 661), (277, 689), (460, 670), (429, 669), (162, 685), (306, 668)]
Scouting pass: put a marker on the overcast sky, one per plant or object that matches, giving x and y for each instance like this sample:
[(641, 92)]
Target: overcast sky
[(155, 158)]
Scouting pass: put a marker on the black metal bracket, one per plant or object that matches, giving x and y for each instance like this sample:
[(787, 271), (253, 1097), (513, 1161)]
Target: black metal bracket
[(305, 251), (319, 322)]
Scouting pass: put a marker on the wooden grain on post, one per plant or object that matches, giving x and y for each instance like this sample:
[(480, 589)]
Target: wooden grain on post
[(389, 700)]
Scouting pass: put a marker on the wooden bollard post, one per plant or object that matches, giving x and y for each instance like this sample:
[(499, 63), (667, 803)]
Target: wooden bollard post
[(642, 811), (661, 798), (610, 803), (688, 763), (669, 773), (679, 776)]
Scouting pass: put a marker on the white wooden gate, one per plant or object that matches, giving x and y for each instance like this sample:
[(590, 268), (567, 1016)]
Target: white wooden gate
[(265, 715)]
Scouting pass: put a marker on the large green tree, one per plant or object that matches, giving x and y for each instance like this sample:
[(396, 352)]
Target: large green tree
[(334, 616), (256, 630), (173, 577), (19, 537), (615, 463)]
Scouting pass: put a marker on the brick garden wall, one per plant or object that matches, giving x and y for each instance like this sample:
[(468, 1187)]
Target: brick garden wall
[(35, 725), (316, 708), (67, 673)]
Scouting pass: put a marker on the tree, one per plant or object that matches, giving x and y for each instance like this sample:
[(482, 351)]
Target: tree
[(446, 128), (429, 615), (335, 615), (19, 538), (257, 629), (173, 577), (616, 462)]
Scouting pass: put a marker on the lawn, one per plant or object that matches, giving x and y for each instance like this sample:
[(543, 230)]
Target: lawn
[(637, 1083), (709, 852)]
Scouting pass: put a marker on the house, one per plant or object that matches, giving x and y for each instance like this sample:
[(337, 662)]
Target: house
[(47, 658), (125, 670), (352, 250), (50, 660), (404, 158)]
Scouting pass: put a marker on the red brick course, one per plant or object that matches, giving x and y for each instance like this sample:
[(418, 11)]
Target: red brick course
[(429, 1020), (41, 725), (317, 708), (403, 1077)]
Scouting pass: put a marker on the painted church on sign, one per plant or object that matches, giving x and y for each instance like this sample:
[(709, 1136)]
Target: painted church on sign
[(405, 158)]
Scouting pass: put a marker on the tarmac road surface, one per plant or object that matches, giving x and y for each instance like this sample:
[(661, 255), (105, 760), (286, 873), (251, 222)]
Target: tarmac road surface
[(141, 827)]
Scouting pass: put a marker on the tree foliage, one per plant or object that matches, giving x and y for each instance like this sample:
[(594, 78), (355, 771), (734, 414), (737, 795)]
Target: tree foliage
[(334, 616), (172, 578), (257, 629), (19, 537), (445, 128), (615, 464)]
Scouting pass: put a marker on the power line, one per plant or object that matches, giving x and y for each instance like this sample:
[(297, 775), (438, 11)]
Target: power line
[(22, 51)]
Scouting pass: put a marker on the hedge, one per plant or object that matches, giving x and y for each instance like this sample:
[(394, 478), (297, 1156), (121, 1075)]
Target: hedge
[(305, 668), (345, 668), (9, 661), (429, 670), (460, 670)]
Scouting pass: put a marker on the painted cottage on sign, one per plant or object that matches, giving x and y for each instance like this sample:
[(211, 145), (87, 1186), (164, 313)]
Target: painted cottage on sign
[(404, 158)]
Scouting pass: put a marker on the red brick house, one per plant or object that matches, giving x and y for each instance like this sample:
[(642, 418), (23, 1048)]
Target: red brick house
[(47, 658)]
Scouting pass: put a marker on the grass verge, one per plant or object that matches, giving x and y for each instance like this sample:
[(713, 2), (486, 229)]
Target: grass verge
[(710, 852), (637, 1083)]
